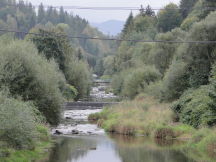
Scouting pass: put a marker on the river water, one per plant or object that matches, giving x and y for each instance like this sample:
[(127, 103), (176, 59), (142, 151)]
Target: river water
[(80, 141)]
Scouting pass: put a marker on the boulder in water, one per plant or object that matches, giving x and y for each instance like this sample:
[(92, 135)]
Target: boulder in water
[(57, 132), (75, 131)]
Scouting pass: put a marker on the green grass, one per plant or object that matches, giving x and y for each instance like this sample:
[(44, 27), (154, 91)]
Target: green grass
[(139, 117), (28, 155), (40, 151)]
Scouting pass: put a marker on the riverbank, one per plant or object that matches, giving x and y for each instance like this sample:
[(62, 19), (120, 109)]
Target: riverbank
[(39, 152), (145, 116)]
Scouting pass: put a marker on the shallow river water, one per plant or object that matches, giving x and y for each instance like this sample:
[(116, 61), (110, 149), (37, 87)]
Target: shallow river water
[(115, 149), (79, 141)]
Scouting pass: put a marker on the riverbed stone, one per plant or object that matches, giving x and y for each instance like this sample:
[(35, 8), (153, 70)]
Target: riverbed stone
[(75, 131), (57, 132)]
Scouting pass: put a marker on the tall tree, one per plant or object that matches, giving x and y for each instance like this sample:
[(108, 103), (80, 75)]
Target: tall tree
[(62, 15), (149, 11), (169, 18), (142, 10), (41, 14), (128, 25), (186, 7)]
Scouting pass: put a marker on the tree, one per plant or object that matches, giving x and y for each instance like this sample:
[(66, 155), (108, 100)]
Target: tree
[(169, 18), (149, 11), (138, 79), (163, 53), (109, 65), (41, 14), (99, 68), (128, 26), (53, 47), (186, 7), (77, 74), (79, 54), (28, 75), (18, 124), (75, 71), (142, 10), (62, 15), (192, 65), (11, 22)]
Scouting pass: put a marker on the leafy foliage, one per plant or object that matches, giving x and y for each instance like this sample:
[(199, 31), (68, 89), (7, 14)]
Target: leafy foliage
[(22, 16), (137, 81), (52, 47), (186, 7), (18, 130), (195, 108), (169, 18), (78, 74), (128, 26), (72, 66), (30, 76)]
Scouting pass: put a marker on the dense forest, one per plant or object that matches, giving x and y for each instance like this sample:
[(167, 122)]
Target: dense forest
[(22, 16)]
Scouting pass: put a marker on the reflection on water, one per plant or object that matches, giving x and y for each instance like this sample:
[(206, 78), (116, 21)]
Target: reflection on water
[(84, 149), (114, 149)]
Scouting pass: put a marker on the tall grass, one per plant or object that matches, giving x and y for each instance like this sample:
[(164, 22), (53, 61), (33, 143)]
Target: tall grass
[(147, 117), (139, 117)]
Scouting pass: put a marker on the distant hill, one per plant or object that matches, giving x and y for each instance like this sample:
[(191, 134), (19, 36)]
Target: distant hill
[(111, 27)]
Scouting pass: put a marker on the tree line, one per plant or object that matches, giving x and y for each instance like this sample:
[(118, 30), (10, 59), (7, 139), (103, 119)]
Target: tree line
[(180, 72), (22, 16)]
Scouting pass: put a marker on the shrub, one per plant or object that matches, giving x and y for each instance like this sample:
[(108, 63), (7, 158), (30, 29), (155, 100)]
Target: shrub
[(32, 77), (154, 89), (175, 81), (164, 133), (138, 80), (77, 74), (76, 71), (195, 108), (141, 116), (117, 82), (17, 126), (69, 92), (94, 117)]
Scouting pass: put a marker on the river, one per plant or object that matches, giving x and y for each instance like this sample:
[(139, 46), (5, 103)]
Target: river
[(77, 140)]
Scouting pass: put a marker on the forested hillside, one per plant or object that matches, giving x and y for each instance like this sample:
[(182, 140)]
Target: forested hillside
[(170, 71), (22, 16)]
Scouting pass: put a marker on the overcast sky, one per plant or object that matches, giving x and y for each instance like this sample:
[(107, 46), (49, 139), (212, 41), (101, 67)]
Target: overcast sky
[(101, 16)]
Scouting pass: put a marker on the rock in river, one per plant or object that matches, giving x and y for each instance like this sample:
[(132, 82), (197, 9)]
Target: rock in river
[(57, 132), (75, 131)]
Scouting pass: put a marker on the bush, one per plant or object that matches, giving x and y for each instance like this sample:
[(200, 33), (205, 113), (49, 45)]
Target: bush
[(30, 76), (17, 126), (154, 89), (69, 92), (117, 82), (175, 81), (138, 80), (194, 108), (78, 74), (76, 71), (142, 116)]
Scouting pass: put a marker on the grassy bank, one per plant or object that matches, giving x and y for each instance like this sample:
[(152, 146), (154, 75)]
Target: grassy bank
[(145, 116), (38, 153)]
